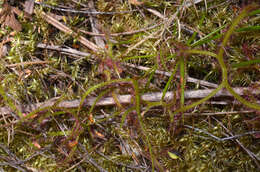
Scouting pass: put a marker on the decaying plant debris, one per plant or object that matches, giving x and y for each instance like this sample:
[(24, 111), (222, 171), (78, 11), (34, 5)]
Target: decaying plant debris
[(129, 85)]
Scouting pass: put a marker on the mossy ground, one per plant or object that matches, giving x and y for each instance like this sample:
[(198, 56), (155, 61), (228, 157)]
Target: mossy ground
[(126, 137)]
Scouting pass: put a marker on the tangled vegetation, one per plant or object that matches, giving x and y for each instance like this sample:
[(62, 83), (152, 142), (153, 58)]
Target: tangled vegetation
[(128, 85)]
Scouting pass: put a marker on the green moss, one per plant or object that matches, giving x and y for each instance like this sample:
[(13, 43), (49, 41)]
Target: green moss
[(123, 137)]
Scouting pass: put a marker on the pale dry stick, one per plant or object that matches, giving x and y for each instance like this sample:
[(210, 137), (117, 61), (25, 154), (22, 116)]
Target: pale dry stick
[(189, 79), (206, 6), (156, 13), (94, 25), (218, 138), (220, 102), (67, 51), (67, 30), (179, 29), (251, 154), (61, 49), (127, 99)]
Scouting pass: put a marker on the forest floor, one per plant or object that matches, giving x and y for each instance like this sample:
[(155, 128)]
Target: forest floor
[(129, 85)]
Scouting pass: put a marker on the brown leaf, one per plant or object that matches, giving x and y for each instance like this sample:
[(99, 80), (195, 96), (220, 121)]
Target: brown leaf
[(11, 21), (7, 17)]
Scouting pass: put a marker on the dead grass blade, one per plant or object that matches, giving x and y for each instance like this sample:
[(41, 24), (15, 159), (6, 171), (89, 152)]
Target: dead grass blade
[(67, 30)]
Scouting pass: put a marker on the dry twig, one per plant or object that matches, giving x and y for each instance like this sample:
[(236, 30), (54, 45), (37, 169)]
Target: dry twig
[(255, 158), (127, 99), (95, 26), (189, 79), (67, 30)]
